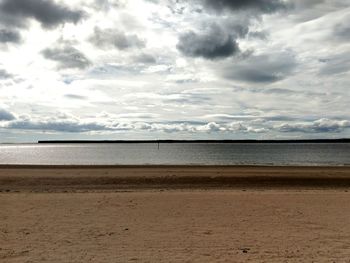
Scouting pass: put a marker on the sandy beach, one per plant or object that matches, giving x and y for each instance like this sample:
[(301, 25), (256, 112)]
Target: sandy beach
[(76, 178), (174, 214)]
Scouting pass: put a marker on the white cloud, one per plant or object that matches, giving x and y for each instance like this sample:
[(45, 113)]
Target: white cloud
[(318, 126), (288, 76)]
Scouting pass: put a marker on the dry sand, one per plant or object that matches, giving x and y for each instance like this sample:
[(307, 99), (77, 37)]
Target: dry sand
[(221, 218)]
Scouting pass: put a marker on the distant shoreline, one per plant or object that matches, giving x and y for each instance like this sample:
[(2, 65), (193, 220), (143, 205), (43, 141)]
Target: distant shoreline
[(199, 141)]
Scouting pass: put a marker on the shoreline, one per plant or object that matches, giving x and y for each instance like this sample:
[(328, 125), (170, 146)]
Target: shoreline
[(146, 166), (46, 178)]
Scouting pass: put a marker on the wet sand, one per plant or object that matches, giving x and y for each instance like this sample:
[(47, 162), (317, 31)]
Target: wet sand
[(211, 220), (73, 178)]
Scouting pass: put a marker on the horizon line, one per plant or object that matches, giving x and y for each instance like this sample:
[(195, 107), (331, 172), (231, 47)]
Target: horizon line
[(340, 140)]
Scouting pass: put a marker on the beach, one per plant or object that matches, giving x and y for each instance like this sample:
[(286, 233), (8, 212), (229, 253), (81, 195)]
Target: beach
[(58, 178), (174, 214)]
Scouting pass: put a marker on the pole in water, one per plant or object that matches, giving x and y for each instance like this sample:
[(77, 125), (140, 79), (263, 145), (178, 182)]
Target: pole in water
[(158, 145)]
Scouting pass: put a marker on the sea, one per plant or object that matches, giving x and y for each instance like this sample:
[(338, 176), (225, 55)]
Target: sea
[(303, 154)]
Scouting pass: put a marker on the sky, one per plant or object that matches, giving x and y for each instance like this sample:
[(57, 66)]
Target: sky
[(174, 69)]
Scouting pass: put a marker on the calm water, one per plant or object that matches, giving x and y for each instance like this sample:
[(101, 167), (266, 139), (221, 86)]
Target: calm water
[(179, 153)]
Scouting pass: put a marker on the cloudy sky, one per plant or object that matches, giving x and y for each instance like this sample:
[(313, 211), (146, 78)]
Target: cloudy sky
[(174, 69)]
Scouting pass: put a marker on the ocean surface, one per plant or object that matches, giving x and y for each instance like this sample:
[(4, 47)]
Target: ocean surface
[(178, 153)]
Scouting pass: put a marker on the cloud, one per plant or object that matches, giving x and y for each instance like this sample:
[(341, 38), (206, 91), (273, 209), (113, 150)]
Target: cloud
[(4, 74), (9, 36), (75, 97), (193, 127), (58, 126), (338, 27), (253, 118), (213, 44), (342, 32), (67, 57), (145, 58), (133, 122), (113, 38), (187, 99), (6, 115), (265, 68), (262, 6), (230, 127), (335, 64), (303, 11), (106, 5), (47, 12), (240, 68), (237, 127), (71, 124), (186, 80), (262, 35), (318, 126)]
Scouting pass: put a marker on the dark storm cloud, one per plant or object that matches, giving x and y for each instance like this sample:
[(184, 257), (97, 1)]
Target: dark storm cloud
[(4, 74), (262, 6), (67, 57), (319, 126), (213, 44), (47, 12), (261, 69), (219, 39), (113, 38), (6, 115), (9, 36)]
